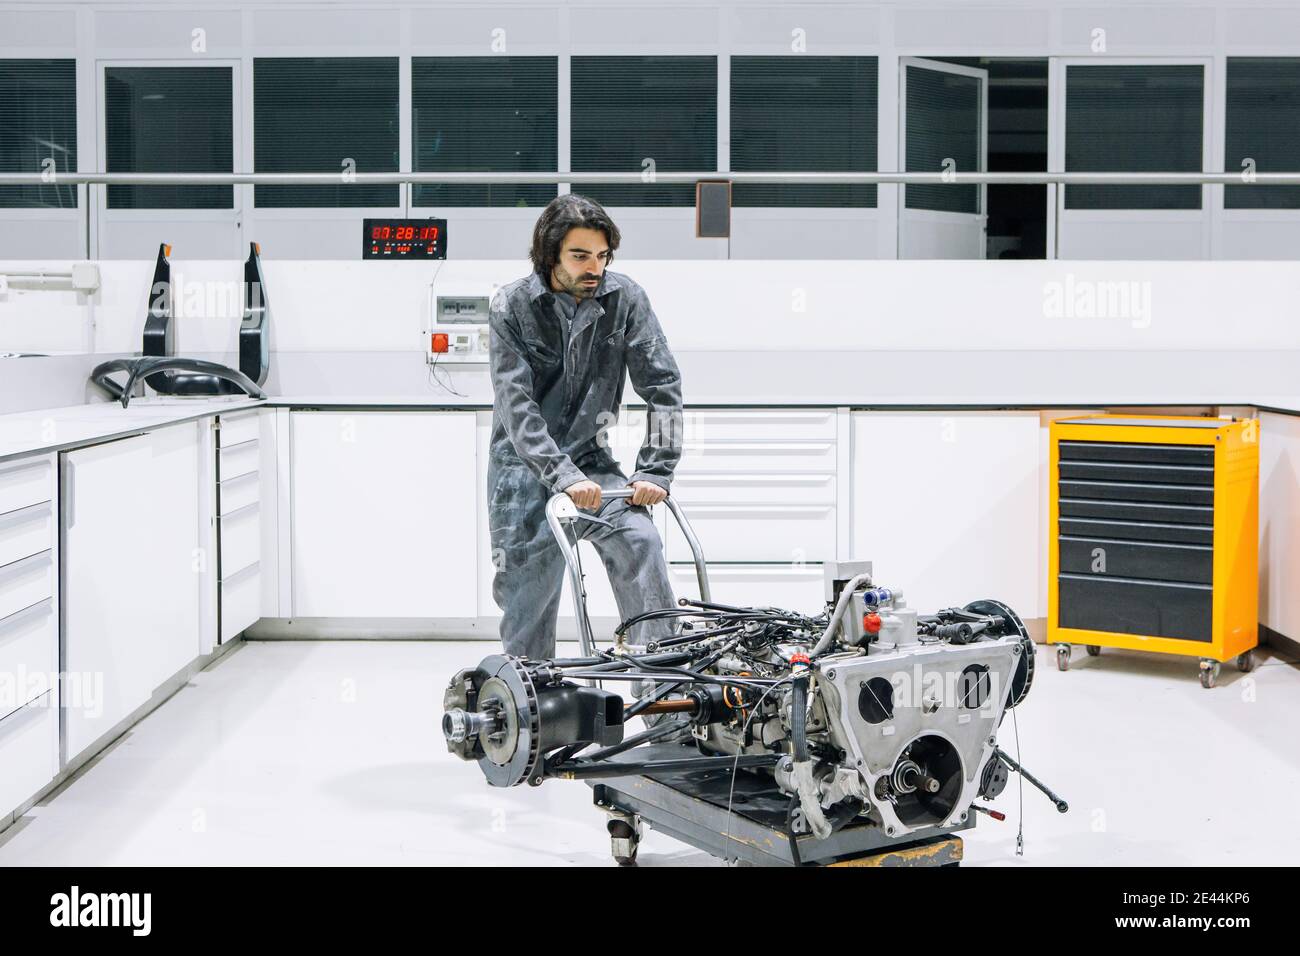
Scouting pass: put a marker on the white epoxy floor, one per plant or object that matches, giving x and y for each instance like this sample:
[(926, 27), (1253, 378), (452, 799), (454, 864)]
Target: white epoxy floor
[(331, 753)]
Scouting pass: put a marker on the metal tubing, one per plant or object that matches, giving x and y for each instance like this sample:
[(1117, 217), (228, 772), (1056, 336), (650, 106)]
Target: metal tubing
[(788, 178), (561, 509)]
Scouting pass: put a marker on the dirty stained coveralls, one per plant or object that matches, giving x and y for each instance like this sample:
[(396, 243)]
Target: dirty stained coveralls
[(558, 385)]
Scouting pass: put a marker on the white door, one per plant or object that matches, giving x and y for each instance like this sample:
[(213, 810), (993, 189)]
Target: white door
[(942, 126), (131, 226), (383, 520), (132, 570)]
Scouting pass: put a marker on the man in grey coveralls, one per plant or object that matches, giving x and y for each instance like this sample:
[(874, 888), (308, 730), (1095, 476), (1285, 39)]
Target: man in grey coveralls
[(563, 340)]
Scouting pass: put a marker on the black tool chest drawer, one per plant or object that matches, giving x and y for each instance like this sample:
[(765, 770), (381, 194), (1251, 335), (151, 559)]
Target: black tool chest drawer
[(1136, 538), (1126, 606)]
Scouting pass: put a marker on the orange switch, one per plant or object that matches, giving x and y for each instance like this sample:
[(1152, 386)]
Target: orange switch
[(439, 342)]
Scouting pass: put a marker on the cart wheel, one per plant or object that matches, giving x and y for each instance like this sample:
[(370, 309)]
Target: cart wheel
[(1063, 657), (1094, 650), (1209, 673), (1246, 661), (624, 839)]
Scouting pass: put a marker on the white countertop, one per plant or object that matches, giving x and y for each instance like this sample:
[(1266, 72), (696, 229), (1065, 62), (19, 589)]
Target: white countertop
[(57, 429)]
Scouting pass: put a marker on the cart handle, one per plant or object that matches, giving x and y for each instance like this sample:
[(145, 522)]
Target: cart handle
[(560, 510)]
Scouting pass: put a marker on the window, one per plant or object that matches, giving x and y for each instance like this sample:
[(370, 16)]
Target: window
[(803, 114), (1263, 124), (325, 114), (643, 114), (169, 120), (38, 129), (1145, 118), (484, 113)]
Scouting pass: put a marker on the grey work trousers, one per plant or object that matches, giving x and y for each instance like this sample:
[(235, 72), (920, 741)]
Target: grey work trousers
[(632, 553)]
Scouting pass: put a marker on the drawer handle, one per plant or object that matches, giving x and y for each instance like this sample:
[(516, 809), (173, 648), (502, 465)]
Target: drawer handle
[(23, 515), (25, 715), (15, 568), (18, 617), (240, 512)]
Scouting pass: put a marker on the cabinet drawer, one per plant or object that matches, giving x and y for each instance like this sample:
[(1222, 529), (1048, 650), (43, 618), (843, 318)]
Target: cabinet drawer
[(758, 424), (1142, 452), (757, 533), (26, 531), (1119, 606), (1188, 564), (237, 460), (29, 752), (237, 493), (241, 540), (772, 456), (237, 429), (695, 489), (27, 481), (1138, 471), (1138, 530), (241, 601), (25, 582), (1136, 491), (1129, 511), (28, 656), (789, 587)]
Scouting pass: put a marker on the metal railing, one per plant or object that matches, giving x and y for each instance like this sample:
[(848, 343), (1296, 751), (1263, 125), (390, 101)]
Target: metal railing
[(1237, 178)]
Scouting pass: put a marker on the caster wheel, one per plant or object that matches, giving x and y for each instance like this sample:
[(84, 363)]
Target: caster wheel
[(1063, 657), (1094, 650), (1209, 674), (1246, 662), (624, 838)]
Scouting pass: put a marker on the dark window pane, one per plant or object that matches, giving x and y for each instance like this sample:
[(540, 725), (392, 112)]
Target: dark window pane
[(170, 119), (1134, 119), (1263, 124), (311, 114), (629, 109), (489, 113), (943, 123), (803, 114), (38, 122)]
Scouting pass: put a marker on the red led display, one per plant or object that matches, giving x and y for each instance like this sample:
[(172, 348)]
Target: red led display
[(404, 239)]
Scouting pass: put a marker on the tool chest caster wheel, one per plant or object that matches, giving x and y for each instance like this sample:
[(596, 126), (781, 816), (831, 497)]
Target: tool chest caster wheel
[(1209, 673), (1246, 661), (1063, 657), (1094, 650)]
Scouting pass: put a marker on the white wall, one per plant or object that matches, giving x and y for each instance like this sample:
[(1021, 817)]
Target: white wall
[(710, 306)]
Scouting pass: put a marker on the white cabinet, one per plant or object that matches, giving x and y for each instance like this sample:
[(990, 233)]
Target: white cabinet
[(946, 505), (383, 516), (133, 570), (28, 611)]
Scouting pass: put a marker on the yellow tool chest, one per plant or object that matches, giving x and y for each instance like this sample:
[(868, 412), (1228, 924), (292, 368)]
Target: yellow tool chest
[(1154, 537)]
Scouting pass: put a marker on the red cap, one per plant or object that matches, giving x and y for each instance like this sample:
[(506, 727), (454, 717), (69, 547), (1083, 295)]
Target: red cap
[(800, 658), (871, 623)]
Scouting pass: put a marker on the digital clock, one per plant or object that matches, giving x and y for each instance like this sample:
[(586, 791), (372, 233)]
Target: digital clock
[(404, 239)]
